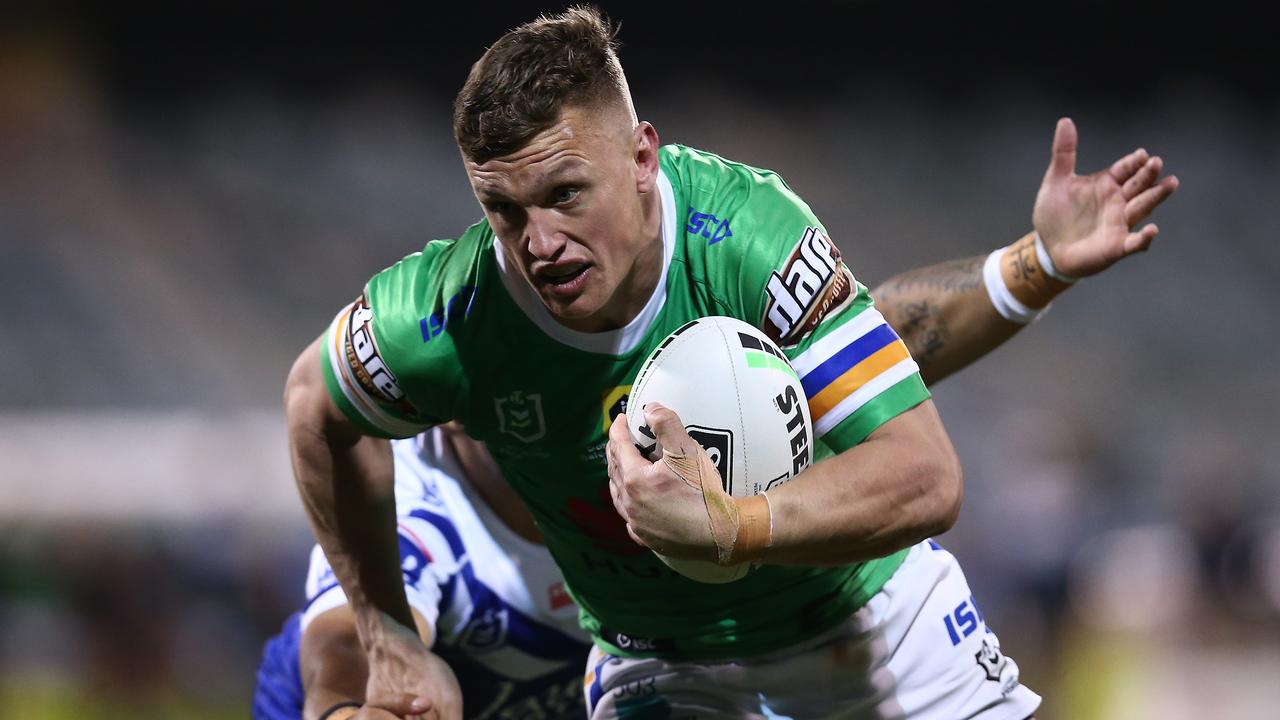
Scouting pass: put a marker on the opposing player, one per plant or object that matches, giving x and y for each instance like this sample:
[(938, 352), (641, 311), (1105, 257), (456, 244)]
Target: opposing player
[(485, 595), (596, 243)]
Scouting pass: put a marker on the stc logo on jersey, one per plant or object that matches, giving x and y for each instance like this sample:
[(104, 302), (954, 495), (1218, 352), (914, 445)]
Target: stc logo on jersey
[(813, 284), (709, 226)]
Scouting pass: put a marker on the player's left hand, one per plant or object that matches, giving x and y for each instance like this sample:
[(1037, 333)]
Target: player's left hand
[(663, 511), (1087, 221)]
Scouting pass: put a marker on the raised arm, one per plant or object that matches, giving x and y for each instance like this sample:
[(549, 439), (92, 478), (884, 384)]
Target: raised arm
[(947, 313), (901, 482), (345, 479)]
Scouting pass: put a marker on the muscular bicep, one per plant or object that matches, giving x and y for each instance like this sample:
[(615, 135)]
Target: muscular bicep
[(309, 409), (899, 485), (336, 465)]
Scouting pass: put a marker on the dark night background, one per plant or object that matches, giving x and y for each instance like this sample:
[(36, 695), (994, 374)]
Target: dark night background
[(187, 194)]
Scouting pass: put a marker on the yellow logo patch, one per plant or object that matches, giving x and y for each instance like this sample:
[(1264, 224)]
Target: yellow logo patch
[(613, 402)]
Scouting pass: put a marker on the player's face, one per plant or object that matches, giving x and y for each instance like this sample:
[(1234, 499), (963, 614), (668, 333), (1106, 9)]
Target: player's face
[(576, 211)]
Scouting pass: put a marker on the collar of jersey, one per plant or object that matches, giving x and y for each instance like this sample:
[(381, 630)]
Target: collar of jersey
[(611, 342)]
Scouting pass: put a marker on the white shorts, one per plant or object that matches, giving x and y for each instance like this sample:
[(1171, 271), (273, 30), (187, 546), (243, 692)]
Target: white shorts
[(918, 649)]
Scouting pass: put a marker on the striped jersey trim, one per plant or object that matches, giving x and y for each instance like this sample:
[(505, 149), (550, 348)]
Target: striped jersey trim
[(336, 351), (851, 366)]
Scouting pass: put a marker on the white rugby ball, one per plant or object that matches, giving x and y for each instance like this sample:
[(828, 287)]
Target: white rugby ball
[(738, 397)]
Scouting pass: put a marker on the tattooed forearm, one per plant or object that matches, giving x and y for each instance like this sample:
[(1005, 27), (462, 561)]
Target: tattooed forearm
[(959, 276), (924, 330), (943, 314)]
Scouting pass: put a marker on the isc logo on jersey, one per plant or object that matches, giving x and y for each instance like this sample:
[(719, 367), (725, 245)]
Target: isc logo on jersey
[(740, 399), (813, 284)]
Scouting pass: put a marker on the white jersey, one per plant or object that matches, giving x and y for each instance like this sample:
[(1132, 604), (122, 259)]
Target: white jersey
[(502, 618)]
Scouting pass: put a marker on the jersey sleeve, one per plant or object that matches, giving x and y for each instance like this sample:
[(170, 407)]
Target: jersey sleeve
[(377, 368), (780, 269), (429, 564)]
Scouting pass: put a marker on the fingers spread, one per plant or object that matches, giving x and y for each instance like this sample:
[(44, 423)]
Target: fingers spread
[(1138, 208), (1142, 179), (1063, 162), (1141, 240), (1125, 167)]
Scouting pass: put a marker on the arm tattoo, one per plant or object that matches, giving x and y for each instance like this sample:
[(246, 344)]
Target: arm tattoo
[(924, 330), (952, 276), (916, 302)]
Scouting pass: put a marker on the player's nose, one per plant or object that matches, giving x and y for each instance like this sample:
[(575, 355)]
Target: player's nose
[(542, 237)]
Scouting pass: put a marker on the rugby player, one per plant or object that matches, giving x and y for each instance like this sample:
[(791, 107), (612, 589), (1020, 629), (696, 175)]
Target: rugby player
[(597, 243), (484, 593), (506, 626)]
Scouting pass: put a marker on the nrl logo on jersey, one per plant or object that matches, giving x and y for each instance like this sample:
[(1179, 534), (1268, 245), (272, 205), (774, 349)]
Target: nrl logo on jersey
[(813, 284), (520, 416)]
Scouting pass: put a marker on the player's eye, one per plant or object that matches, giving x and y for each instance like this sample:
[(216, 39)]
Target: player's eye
[(500, 208), (565, 194)]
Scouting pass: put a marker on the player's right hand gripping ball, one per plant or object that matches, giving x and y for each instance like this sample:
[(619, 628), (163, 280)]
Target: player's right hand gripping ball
[(739, 398)]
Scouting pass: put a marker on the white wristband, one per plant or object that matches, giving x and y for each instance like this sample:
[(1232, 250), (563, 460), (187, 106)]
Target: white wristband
[(1009, 307), (1046, 262)]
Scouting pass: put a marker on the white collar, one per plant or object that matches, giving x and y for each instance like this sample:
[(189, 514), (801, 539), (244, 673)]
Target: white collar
[(609, 342)]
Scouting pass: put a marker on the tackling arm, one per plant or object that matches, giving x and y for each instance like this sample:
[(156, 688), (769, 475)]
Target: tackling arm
[(346, 483)]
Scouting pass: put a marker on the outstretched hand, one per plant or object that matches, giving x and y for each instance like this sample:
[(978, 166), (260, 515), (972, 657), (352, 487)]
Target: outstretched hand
[(1087, 221)]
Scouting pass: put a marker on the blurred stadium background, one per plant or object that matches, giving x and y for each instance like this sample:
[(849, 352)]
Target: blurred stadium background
[(186, 195)]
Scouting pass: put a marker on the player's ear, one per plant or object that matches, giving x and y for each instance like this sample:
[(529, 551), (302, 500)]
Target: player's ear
[(645, 144)]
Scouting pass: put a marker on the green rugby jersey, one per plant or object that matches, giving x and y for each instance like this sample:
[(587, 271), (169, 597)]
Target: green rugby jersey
[(449, 334)]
